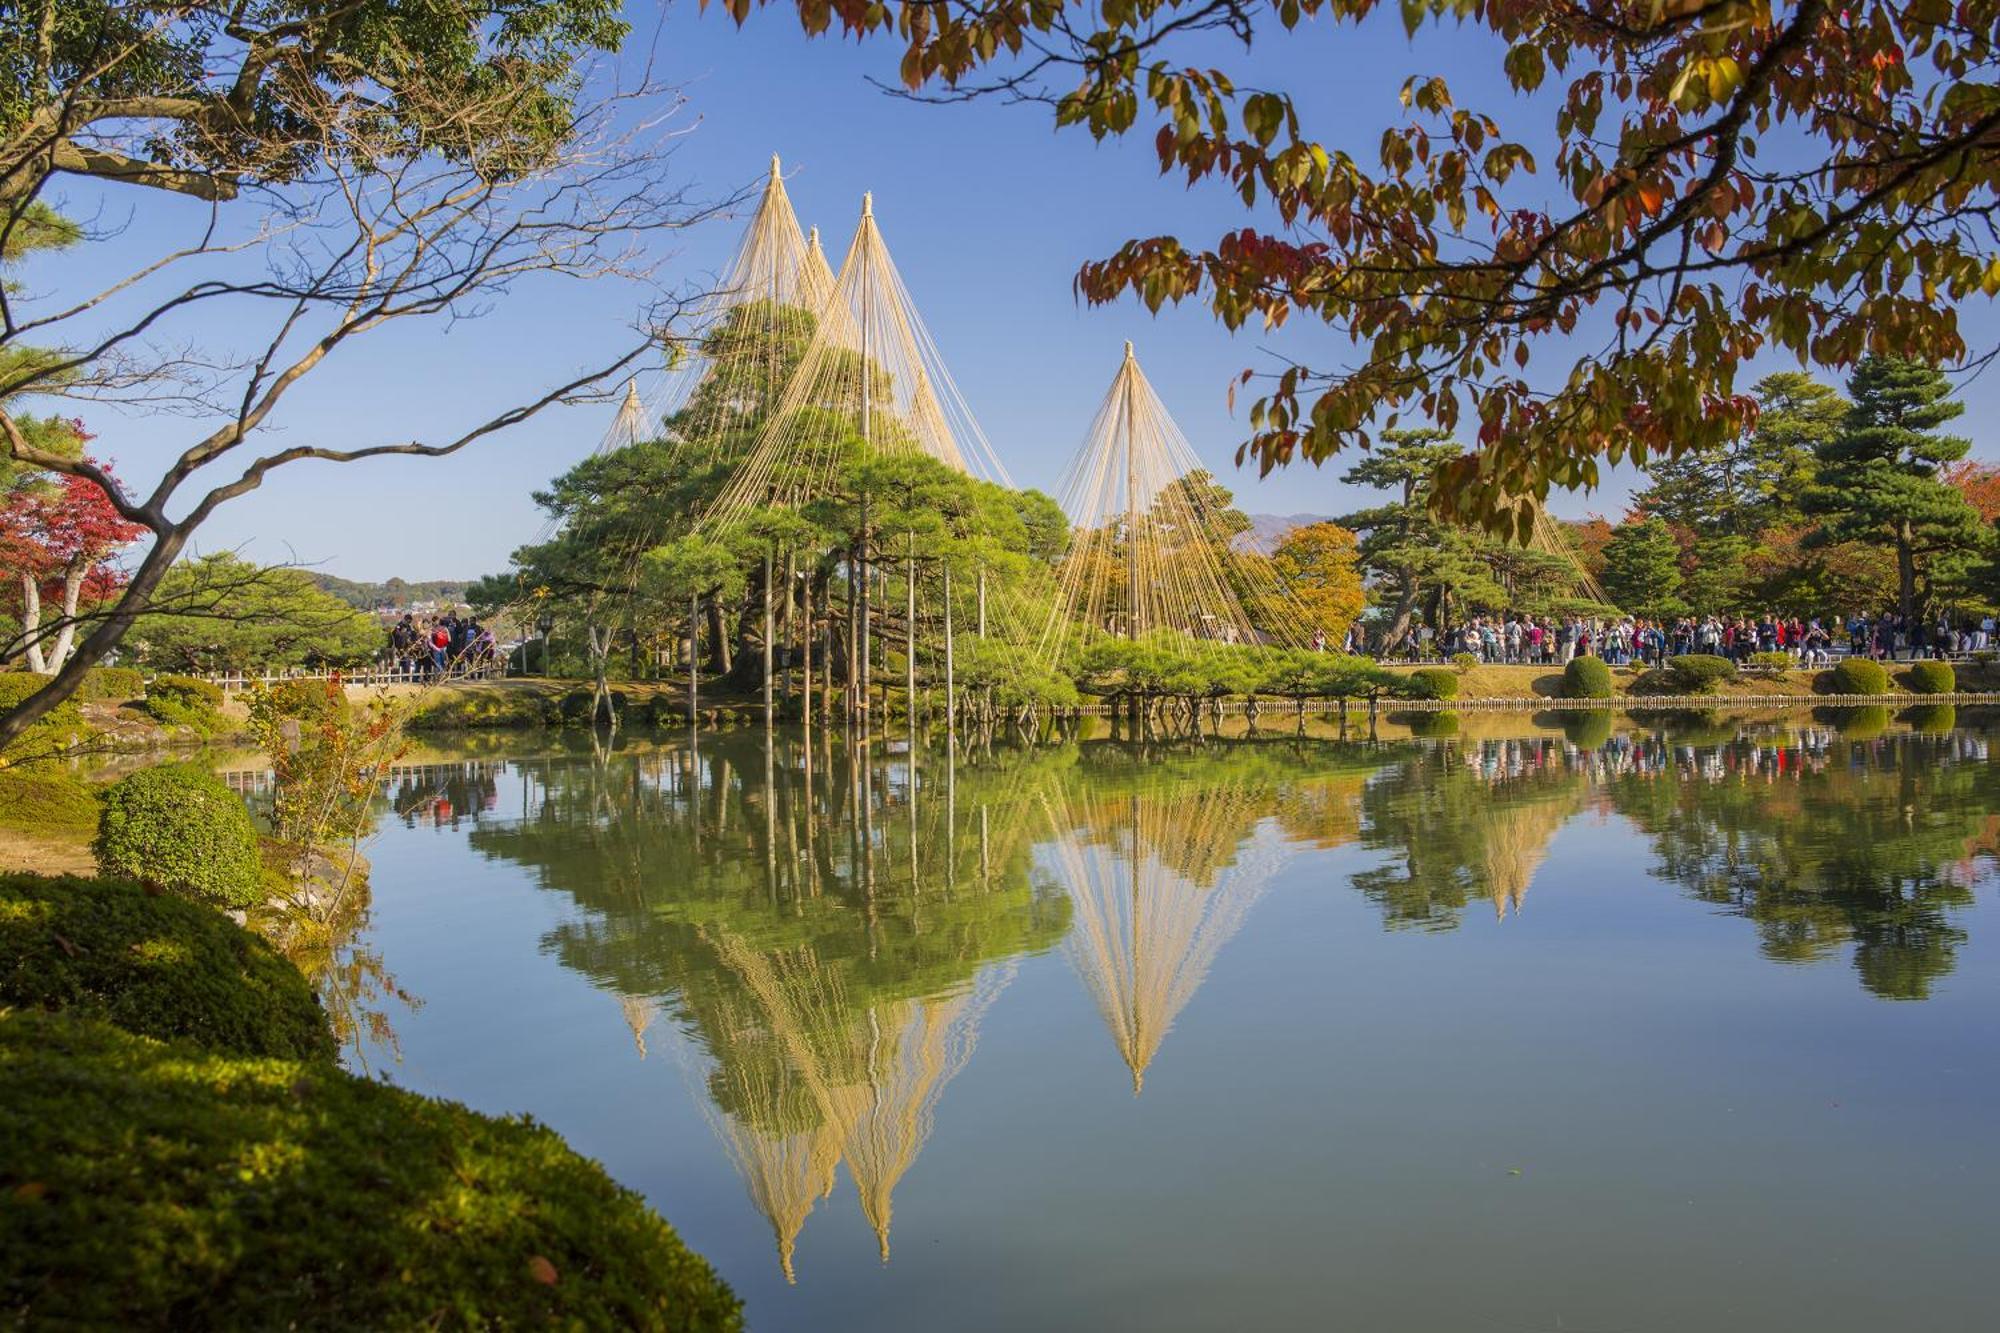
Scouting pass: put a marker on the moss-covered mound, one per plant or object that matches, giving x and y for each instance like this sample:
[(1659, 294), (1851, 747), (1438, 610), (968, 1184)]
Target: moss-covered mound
[(1431, 683), (1586, 678), (158, 966), (1859, 675), (179, 829), (1930, 678), (43, 799), (157, 1185)]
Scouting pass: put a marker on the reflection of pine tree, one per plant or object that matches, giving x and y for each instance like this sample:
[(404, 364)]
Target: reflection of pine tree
[(1456, 832), (1867, 848), (830, 970)]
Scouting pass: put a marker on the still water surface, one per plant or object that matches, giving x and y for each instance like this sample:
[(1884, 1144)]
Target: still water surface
[(1586, 1024)]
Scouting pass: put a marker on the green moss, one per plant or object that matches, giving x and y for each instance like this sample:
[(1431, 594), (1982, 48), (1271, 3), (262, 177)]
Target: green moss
[(1859, 675), (157, 966), (1930, 678), (1586, 678), (158, 1185), (177, 828), (43, 799)]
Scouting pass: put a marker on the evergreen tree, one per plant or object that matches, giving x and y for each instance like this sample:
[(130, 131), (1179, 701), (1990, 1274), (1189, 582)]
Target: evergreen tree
[(1414, 553), (1642, 568), (1753, 482), (1883, 477)]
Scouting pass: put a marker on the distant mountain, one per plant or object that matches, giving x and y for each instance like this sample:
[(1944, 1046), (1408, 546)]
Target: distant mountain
[(1267, 530), (392, 592)]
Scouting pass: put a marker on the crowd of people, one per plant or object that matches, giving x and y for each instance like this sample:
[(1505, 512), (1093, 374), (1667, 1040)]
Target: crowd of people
[(447, 646), (1524, 640)]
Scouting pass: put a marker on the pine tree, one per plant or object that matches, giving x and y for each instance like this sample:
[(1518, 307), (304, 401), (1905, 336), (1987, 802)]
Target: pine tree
[(1404, 544), (1642, 568), (1883, 477)]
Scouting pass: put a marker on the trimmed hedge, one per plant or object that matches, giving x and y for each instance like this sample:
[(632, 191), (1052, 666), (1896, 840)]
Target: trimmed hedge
[(1859, 675), (185, 701), (1931, 678), (1463, 662), (156, 966), (1773, 661), (160, 1186), (1700, 673), (56, 731), (1431, 683), (112, 684), (1586, 678), (178, 829)]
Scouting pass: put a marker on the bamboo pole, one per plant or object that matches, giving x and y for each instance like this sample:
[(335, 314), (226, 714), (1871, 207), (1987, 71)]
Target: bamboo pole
[(768, 656), (950, 673), (694, 659), (806, 680), (910, 635)]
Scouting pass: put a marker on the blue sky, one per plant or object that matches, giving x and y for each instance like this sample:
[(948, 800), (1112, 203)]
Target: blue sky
[(986, 208)]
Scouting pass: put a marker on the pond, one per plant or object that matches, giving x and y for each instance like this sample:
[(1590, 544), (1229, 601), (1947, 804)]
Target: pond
[(1582, 1022)]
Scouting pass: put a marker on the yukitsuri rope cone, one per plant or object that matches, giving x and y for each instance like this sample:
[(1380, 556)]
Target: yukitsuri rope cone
[(1151, 552), (738, 336), (873, 373)]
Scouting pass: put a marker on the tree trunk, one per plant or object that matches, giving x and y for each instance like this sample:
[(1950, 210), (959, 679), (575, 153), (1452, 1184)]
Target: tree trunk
[(1399, 621), (31, 623), (1906, 573)]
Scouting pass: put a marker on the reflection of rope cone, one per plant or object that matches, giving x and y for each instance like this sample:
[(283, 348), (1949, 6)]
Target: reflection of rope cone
[(915, 1048), (867, 1079), (1514, 840), (640, 1011), (1151, 917)]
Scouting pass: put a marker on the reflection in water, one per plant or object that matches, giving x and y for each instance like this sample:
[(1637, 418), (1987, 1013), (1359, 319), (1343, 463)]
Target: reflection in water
[(1163, 856), (826, 933), (828, 940)]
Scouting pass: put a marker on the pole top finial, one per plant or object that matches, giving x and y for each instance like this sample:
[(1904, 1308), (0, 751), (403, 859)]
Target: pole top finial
[(1128, 349), (868, 204), (812, 238), (774, 166)]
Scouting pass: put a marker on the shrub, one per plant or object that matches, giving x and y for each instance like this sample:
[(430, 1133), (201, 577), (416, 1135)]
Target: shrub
[(575, 706), (59, 729), (179, 829), (1772, 661), (1930, 678), (157, 966), (1986, 657), (1586, 678), (112, 684), (1431, 683), (1464, 662), (180, 1188), (1700, 673), (185, 701), (1859, 675)]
